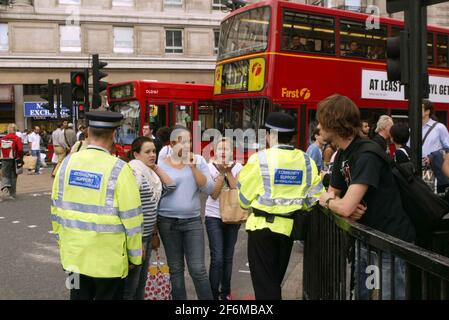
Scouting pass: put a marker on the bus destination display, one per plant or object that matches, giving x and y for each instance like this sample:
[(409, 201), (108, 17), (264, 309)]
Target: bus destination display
[(121, 91), (235, 76)]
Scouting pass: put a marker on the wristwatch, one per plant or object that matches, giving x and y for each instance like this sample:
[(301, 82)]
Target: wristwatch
[(328, 202)]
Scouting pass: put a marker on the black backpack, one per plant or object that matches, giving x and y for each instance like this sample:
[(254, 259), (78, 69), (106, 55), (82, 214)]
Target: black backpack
[(424, 207)]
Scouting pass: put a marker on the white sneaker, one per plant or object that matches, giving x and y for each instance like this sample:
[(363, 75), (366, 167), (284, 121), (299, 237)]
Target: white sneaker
[(5, 192)]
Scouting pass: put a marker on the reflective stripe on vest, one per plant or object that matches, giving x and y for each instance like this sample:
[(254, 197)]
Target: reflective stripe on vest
[(315, 189), (245, 201), (112, 182), (92, 226), (266, 198), (61, 177), (90, 208), (88, 226), (135, 253), (308, 171)]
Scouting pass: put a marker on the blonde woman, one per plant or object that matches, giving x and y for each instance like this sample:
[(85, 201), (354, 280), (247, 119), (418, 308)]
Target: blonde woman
[(222, 236)]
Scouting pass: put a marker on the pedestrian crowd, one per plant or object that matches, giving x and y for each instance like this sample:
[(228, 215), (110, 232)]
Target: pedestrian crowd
[(35, 148), (108, 214)]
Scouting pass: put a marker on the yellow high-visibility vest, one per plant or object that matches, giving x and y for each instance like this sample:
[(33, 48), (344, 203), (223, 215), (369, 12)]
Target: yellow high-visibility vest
[(96, 215), (278, 181)]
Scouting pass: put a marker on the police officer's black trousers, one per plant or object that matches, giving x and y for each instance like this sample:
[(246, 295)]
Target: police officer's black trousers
[(97, 288), (268, 257)]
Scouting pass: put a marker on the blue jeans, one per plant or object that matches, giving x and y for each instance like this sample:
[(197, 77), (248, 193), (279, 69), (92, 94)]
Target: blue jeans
[(185, 238), (366, 279), (137, 277), (222, 239), (37, 153)]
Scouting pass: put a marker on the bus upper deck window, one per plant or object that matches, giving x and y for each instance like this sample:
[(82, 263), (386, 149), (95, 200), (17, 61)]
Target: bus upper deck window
[(358, 41), (443, 50), (308, 33)]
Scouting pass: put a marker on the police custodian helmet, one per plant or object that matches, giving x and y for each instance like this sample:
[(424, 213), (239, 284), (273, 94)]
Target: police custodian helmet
[(280, 121), (104, 119)]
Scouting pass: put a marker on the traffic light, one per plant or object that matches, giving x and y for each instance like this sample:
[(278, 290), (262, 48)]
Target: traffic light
[(78, 81), (48, 94), (81, 110), (398, 58), (98, 85)]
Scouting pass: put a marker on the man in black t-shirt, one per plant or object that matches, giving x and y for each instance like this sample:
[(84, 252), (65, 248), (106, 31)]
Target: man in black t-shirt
[(363, 188)]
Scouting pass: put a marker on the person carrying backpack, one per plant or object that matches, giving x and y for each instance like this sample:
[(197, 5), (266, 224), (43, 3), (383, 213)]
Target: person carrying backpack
[(11, 153), (363, 189), (435, 138)]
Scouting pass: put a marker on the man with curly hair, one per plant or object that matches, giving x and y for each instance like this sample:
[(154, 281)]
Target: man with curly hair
[(362, 187)]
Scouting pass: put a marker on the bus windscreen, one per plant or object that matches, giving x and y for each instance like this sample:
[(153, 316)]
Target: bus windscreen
[(244, 33)]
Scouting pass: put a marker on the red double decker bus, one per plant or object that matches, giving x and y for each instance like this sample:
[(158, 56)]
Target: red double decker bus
[(157, 104), (289, 56)]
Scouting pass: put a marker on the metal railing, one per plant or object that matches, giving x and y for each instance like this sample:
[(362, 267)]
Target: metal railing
[(336, 248)]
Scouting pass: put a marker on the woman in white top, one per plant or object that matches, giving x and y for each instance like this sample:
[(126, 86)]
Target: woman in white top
[(222, 236)]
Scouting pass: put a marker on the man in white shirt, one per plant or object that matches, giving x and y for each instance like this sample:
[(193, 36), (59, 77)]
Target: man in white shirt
[(435, 138), (436, 132), (34, 144)]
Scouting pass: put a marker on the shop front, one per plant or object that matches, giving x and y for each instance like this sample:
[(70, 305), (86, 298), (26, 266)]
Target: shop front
[(42, 117)]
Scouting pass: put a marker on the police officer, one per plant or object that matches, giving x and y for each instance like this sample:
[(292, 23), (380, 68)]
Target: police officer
[(96, 215), (275, 183)]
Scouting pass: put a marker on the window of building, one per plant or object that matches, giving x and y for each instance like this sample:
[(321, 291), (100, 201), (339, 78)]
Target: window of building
[(69, 1), (123, 40), (217, 5), (216, 40), (430, 48), (308, 33), (443, 51), (70, 38), (4, 43), (356, 41), (173, 41), (122, 3), (173, 3)]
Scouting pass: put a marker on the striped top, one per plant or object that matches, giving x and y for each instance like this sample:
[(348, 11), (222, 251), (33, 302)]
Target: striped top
[(149, 206)]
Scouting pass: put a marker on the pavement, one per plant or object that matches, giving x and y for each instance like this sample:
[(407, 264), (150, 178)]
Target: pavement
[(35, 258), (27, 183)]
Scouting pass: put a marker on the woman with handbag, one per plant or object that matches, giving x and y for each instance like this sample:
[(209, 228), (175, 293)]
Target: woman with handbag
[(153, 184), (222, 236), (179, 219)]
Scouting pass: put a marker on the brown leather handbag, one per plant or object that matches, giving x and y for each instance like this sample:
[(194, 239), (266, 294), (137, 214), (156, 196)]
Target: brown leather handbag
[(230, 209)]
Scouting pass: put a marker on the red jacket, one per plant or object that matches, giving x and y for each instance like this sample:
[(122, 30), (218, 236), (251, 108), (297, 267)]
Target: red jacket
[(17, 144)]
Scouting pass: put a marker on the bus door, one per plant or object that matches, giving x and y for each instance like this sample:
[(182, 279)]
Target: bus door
[(183, 114), (156, 113)]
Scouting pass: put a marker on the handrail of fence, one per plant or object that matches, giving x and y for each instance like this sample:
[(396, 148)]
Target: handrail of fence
[(345, 260)]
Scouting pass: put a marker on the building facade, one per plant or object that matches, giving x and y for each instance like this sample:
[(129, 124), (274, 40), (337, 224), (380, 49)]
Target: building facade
[(164, 40)]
